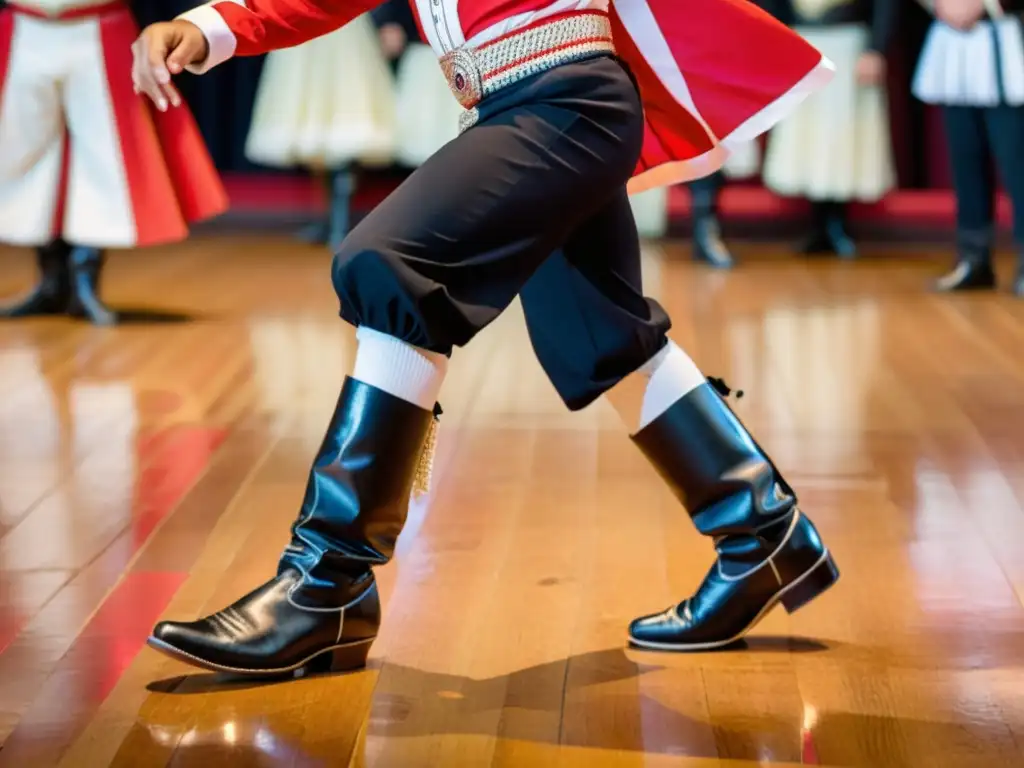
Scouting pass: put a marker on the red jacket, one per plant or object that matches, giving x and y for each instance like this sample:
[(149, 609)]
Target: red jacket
[(712, 73)]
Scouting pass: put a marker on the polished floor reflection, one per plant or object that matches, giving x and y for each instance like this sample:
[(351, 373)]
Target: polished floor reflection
[(152, 470)]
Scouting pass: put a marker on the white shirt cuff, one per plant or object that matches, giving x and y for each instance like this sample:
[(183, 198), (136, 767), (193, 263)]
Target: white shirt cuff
[(994, 8), (219, 37)]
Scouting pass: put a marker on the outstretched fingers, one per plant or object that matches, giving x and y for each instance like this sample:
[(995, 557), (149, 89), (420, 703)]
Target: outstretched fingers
[(150, 73)]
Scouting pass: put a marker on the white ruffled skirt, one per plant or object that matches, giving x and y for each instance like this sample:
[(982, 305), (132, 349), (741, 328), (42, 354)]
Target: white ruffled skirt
[(650, 211), (325, 103), (427, 112), (836, 146), (959, 68), (744, 161)]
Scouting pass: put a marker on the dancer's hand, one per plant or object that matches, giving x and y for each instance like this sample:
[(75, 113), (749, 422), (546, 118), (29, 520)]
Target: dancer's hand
[(164, 50), (870, 69), (392, 40), (960, 14)]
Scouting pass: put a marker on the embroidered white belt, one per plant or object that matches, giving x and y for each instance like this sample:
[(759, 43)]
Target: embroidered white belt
[(474, 73)]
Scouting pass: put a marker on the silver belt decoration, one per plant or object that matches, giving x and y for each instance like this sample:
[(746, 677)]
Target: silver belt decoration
[(475, 73)]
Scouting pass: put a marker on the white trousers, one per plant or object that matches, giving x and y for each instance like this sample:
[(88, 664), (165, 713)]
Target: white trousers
[(55, 91)]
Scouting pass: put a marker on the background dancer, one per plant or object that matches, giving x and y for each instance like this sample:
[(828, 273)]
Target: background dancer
[(973, 66), (530, 200), (837, 149), (426, 113), (85, 164), (326, 105)]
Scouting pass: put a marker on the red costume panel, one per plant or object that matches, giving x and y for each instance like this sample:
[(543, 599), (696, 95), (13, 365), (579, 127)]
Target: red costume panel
[(81, 155), (713, 73)]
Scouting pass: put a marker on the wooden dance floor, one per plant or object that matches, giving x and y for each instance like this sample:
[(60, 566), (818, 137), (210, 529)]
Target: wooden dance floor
[(152, 471)]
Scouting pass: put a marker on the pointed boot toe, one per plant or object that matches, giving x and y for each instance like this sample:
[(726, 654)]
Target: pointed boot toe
[(185, 641), (265, 635), (733, 598)]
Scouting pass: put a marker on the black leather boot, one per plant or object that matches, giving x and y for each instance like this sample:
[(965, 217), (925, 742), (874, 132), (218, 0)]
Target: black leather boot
[(53, 291), (768, 552), (86, 266), (331, 228), (973, 268), (828, 231), (342, 185), (708, 245), (321, 612)]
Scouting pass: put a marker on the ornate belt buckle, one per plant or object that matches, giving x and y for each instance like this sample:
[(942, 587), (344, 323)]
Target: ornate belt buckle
[(464, 77)]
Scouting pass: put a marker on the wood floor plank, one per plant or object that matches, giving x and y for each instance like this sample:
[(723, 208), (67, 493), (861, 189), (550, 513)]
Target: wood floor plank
[(153, 470)]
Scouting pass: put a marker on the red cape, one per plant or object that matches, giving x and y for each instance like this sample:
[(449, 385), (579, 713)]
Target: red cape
[(712, 74)]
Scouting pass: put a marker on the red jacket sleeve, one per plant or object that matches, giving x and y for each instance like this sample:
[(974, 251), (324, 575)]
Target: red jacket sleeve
[(252, 27)]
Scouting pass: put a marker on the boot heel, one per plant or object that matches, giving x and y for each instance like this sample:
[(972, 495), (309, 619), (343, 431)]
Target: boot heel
[(344, 659), (351, 656), (810, 585)]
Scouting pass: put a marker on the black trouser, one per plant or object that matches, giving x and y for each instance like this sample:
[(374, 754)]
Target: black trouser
[(705, 191), (976, 136), (532, 202)]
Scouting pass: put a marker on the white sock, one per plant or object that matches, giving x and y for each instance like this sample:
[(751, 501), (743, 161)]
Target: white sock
[(402, 370), (652, 389)]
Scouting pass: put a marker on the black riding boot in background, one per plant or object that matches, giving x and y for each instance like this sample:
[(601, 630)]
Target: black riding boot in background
[(69, 284), (331, 228), (828, 231), (53, 291), (708, 246), (343, 184), (973, 268), (86, 267)]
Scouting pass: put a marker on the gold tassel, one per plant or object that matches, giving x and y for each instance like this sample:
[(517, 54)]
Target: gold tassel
[(425, 467)]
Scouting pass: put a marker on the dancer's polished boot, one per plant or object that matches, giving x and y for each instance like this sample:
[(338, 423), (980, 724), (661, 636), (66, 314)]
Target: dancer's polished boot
[(973, 268), (768, 551), (1018, 280), (86, 267), (321, 612), (53, 291), (828, 232)]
